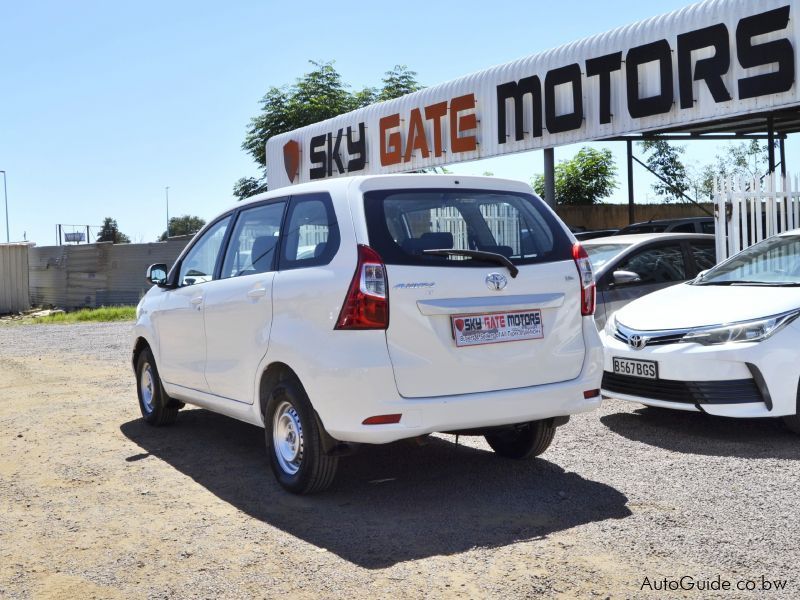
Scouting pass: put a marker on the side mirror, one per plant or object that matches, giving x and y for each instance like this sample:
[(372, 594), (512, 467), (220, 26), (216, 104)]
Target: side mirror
[(625, 277), (157, 274)]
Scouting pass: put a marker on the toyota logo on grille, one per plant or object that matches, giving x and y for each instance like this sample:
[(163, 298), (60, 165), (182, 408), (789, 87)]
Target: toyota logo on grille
[(496, 281), (637, 342)]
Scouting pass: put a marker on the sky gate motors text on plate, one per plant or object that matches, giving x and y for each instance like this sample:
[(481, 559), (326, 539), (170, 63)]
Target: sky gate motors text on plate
[(452, 126)]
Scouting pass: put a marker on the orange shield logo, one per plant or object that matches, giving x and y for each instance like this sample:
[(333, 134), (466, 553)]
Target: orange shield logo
[(291, 158)]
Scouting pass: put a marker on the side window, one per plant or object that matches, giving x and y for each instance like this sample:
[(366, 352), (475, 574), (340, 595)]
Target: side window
[(705, 255), (198, 265), (254, 242), (311, 237), (708, 226), (683, 228), (656, 265)]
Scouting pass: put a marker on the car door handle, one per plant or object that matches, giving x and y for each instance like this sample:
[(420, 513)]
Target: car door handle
[(257, 292), (197, 300)]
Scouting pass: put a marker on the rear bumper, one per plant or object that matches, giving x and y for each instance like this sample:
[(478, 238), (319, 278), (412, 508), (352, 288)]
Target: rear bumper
[(421, 416)]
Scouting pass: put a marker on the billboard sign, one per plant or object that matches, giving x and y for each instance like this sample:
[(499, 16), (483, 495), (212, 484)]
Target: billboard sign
[(708, 61)]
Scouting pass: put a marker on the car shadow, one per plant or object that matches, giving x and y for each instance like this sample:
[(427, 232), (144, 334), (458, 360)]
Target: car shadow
[(698, 433), (389, 503)]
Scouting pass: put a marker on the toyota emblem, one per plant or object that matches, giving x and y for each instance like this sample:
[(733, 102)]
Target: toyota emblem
[(637, 342), (496, 281)]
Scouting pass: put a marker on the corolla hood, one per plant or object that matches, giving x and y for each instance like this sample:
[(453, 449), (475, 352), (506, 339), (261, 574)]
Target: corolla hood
[(683, 306)]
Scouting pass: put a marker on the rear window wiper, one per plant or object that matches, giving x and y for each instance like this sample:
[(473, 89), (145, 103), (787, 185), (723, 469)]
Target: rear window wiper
[(480, 254)]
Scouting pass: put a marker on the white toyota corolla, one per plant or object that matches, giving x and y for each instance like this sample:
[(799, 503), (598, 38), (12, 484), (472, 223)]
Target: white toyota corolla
[(726, 343)]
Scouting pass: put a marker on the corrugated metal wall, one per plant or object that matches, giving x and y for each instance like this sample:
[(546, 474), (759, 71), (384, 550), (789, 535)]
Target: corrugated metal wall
[(93, 275), (14, 278)]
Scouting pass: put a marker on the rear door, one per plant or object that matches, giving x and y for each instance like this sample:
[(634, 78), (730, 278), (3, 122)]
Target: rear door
[(238, 308), (460, 325)]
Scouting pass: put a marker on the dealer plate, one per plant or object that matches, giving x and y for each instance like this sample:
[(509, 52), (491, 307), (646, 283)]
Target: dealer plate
[(646, 369), (493, 328)]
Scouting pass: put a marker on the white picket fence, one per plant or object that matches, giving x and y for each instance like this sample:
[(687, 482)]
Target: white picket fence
[(750, 210), (503, 221)]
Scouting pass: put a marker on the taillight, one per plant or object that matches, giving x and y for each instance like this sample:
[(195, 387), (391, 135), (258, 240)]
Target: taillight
[(367, 303), (586, 277)]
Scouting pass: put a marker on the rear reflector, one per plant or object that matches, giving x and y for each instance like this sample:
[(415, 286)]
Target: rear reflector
[(586, 278), (591, 394), (382, 420)]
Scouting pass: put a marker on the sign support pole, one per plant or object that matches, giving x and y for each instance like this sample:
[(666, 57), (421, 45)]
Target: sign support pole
[(550, 177), (631, 215)]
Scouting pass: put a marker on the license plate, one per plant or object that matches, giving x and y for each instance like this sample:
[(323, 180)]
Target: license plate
[(493, 328), (646, 369)]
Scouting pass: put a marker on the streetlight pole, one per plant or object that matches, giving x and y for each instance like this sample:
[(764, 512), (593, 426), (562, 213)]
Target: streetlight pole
[(5, 195), (166, 191)]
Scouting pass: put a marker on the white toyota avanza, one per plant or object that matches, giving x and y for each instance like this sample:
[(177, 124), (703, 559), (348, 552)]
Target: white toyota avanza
[(366, 310)]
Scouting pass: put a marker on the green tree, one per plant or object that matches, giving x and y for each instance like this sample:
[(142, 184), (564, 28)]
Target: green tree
[(185, 225), (701, 181), (746, 159), (110, 233), (316, 96), (586, 178), (398, 82), (664, 159)]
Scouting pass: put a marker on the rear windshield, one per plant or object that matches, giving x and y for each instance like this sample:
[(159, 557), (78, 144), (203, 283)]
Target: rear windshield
[(402, 224)]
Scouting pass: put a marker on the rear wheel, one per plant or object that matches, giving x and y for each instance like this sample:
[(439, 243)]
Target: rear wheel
[(157, 408), (523, 441), (294, 442)]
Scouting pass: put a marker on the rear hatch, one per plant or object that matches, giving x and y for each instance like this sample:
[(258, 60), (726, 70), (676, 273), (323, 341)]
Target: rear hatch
[(462, 324)]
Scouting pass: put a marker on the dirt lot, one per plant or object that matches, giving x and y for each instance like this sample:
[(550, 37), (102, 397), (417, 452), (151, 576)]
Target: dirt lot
[(95, 504)]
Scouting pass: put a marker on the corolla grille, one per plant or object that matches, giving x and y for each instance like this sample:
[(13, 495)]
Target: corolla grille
[(651, 338)]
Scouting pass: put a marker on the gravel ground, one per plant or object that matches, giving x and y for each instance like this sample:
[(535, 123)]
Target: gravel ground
[(94, 503)]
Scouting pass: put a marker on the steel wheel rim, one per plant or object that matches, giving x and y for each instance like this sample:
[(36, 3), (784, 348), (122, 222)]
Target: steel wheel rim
[(287, 438), (146, 388)]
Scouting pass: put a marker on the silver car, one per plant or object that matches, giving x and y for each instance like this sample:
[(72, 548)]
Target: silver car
[(629, 266)]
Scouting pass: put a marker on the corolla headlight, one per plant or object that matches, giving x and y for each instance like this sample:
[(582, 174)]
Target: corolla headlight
[(756, 330)]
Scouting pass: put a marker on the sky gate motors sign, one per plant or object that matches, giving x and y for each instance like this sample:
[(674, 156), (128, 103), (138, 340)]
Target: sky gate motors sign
[(713, 60)]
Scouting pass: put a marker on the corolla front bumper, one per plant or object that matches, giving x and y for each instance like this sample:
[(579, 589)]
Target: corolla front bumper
[(744, 379)]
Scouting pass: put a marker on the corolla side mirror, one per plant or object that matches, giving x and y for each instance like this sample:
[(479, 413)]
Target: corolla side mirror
[(625, 277), (157, 274)]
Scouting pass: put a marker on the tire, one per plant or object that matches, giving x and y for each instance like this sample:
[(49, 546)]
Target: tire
[(157, 408), (530, 439), (792, 423), (294, 442)]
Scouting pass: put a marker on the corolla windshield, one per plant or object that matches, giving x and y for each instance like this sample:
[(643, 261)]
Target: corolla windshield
[(600, 254), (773, 262)]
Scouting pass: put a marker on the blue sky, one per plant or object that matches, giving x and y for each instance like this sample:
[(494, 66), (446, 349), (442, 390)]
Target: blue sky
[(103, 104)]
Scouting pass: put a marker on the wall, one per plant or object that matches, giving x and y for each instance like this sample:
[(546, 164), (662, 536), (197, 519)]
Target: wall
[(614, 216), (13, 278), (90, 275)]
